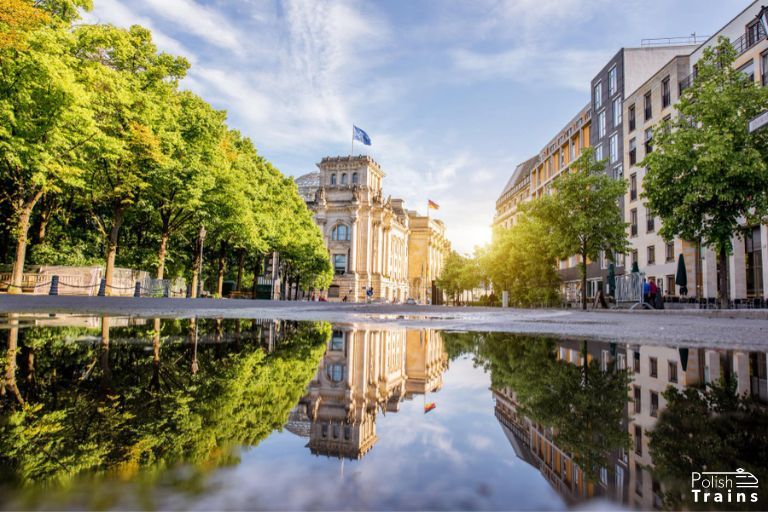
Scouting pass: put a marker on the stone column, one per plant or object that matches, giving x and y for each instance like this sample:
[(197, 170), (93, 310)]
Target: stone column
[(352, 264), (764, 251), (737, 271)]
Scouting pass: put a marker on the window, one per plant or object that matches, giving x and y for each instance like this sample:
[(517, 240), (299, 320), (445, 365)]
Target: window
[(337, 341), (355, 178), (634, 255), (333, 179), (637, 396), (753, 33), (632, 151), (604, 476), (632, 187), (754, 262), (616, 112), (650, 223), (340, 232), (613, 147), (764, 68), (651, 254), (631, 113), (333, 291), (324, 430), (598, 94), (749, 70), (601, 125), (653, 364), (347, 432), (666, 96), (599, 152), (669, 252), (670, 279), (605, 359), (647, 108), (335, 372), (633, 223), (638, 440), (648, 141), (672, 371), (638, 478), (343, 178), (621, 362), (618, 172), (654, 404), (636, 362), (612, 81), (335, 431), (340, 264), (658, 501)]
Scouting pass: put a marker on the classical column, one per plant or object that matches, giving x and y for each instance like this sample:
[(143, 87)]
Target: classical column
[(353, 244), (380, 248)]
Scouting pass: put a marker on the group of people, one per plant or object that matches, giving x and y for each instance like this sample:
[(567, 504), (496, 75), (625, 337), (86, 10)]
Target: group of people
[(652, 294)]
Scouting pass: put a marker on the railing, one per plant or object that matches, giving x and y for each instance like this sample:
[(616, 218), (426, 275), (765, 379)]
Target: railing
[(629, 287), (673, 41), (747, 41)]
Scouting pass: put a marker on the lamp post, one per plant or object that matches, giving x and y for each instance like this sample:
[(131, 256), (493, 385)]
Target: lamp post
[(200, 270)]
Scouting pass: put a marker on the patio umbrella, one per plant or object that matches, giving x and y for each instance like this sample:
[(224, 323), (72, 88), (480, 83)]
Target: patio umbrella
[(635, 268), (681, 278), (611, 279)]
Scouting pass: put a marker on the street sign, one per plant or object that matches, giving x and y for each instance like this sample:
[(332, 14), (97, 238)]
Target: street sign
[(758, 122)]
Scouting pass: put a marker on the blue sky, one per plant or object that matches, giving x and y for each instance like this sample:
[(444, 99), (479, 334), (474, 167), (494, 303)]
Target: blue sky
[(453, 94)]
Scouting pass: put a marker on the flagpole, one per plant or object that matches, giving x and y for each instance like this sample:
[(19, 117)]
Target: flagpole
[(352, 149)]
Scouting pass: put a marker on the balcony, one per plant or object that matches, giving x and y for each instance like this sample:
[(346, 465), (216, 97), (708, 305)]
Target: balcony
[(748, 40)]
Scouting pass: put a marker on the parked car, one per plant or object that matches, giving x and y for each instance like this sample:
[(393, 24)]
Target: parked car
[(411, 301)]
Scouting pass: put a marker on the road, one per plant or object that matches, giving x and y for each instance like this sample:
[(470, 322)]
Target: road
[(726, 329)]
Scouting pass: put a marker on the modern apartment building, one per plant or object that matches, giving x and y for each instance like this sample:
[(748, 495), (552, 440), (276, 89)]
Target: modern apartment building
[(654, 101)]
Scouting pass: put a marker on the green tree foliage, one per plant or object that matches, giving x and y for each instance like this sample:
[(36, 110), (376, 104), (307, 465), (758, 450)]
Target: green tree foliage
[(104, 160), (707, 172), (711, 429), (523, 261), (583, 215), (205, 391)]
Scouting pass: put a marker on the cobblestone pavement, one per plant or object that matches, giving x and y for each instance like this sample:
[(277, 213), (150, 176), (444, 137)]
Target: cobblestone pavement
[(726, 329)]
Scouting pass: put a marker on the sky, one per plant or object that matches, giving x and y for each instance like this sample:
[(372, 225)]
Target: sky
[(452, 93)]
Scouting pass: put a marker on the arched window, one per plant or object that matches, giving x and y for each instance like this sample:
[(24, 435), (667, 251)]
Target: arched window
[(343, 178), (335, 372), (340, 232), (354, 178), (333, 179)]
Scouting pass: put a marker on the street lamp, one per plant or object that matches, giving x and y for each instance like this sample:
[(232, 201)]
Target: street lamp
[(200, 270)]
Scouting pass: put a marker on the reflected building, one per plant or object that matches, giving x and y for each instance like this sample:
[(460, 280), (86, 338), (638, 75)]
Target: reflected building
[(365, 372)]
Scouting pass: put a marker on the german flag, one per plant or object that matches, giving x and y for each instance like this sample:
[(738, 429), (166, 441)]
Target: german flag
[(429, 407), (432, 205)]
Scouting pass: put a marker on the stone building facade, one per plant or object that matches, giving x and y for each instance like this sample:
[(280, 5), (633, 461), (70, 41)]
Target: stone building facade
[(373, 242)]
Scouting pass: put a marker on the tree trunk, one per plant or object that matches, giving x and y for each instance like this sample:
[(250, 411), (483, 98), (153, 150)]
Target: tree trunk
[(583, 271), (256, 271), (240, 265), (296, 293), (22, 234), (723, 296), (161, 254), (155, 383), (197, 263), (222, 266), (10, 360), (106, 372), (118, 215)]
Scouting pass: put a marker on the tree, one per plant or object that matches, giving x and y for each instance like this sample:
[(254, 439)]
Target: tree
[(708, 174), (44, 121), (522, 260), (451, 279), (583, 215)]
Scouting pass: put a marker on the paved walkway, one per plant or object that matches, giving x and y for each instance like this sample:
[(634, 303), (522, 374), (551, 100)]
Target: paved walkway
[(727, 329)]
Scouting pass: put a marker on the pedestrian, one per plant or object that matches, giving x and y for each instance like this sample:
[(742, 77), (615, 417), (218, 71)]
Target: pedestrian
[(653, 290), (646, 290), (344, 299)]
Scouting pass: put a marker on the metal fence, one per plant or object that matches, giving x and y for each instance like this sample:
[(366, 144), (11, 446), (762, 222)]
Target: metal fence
[(629, 288)]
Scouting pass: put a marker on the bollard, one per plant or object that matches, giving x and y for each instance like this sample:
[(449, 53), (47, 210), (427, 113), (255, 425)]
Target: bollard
[(505, 299), (54, 285), (166, 286), (102, 287), (137, 289)]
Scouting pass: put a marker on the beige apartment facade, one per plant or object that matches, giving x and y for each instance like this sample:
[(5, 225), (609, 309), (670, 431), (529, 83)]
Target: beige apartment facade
[(373, 242), (653, 102)]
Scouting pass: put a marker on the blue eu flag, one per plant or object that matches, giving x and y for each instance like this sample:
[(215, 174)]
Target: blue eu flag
[(361, 136)]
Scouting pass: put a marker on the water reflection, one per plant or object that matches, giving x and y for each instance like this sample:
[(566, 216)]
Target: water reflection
[(190, 413), (628, 422)]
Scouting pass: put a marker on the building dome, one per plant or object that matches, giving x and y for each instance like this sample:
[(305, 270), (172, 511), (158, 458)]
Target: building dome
[(308, 185)]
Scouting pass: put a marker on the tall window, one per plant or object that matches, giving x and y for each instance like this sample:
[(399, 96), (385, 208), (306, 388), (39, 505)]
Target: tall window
[(612, 81), (672, 371), (616, 112), (355, 178), (648, 141), (635, 258), (651, 250), (654, 404), (666, 95), (633, 222), (632, 151), (647, 107), (598, 94), (638, 476), (601, 125), (631, 114), (340, 264), (670, 284), (753, 33), (637, 399), (613, 145), (333, 179), (754, 262), (654, 367), (337, 341), (764, 68), (749, 70), (669, 251), (638, 440), (632, 187), (340, 232), (336, 372), (343, 178), (650, 222), (599, 152)]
